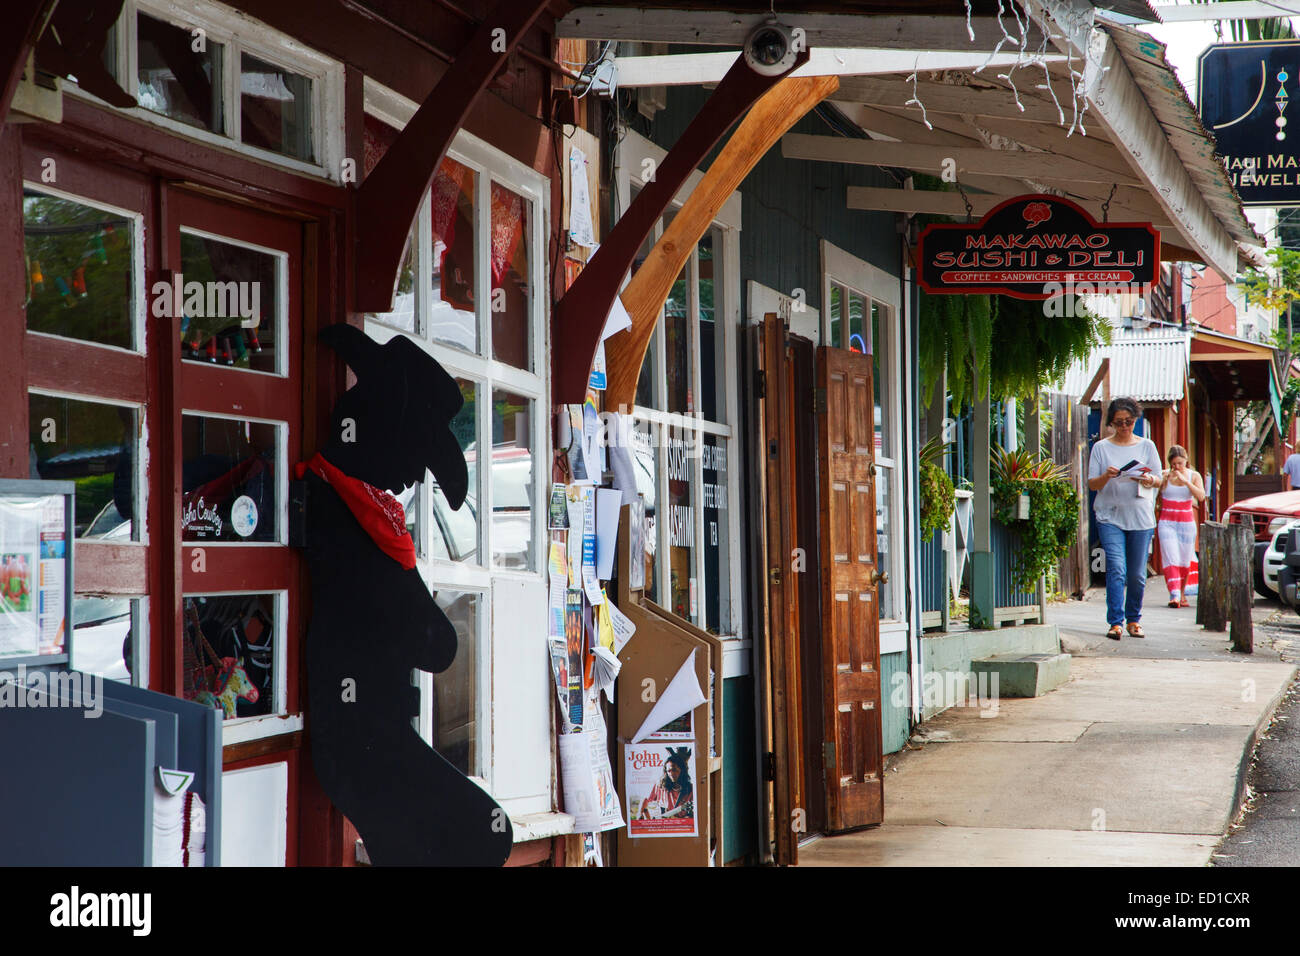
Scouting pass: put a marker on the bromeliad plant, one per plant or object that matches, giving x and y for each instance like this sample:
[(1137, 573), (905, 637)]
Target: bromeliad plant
[(937, 493), (1053, 522)]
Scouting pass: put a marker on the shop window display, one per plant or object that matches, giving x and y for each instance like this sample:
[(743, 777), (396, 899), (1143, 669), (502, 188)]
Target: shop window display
[(230, 490), (230, 304), (80, 270), (229, 653)]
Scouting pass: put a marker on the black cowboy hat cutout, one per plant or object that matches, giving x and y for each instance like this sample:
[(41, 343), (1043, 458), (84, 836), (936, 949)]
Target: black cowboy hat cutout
[(404, 402)]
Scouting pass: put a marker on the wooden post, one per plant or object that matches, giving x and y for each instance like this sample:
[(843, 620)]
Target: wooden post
[(1240, 549), (981, 549), (1211, 599)]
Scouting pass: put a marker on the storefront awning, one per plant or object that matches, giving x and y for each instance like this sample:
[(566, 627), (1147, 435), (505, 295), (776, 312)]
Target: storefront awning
[(1233, 369), (1144, 366)]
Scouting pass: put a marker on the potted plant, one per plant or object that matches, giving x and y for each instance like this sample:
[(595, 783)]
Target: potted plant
[(938, 498), (1051, 523)]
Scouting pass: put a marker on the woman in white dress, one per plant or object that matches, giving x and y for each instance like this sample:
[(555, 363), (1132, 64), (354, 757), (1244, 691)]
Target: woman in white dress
[(1180, 492)]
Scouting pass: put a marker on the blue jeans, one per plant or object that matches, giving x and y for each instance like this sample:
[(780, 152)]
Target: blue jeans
[(1126, 570)]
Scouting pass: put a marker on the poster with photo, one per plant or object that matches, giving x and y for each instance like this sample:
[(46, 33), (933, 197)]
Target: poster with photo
[(573, 633), (660, 784), (52, 612), (20, 535)]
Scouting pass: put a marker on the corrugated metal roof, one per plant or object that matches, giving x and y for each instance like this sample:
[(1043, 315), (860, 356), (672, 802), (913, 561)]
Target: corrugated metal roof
[(1146, 365), (1178, 117)]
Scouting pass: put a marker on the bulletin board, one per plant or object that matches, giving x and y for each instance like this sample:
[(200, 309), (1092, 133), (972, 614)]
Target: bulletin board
[(36, 582)]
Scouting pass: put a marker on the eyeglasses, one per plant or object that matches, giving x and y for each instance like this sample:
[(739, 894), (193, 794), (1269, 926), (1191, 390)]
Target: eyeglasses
[(1123, 422)]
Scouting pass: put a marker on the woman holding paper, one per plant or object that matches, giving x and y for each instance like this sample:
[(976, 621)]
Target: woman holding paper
[(1180, 493), (1124, 470)]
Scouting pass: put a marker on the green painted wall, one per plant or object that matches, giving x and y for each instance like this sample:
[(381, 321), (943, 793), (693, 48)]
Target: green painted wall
[(895, 692), (739, 771)]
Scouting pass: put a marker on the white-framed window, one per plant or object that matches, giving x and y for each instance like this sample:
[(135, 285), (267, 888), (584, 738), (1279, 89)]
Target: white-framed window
[(214, 74), (860, 308), (472, 292), (686, 417)]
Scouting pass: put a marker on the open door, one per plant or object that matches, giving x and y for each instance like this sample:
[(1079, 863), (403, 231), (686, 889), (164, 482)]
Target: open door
[(850, 621), (782, 652)]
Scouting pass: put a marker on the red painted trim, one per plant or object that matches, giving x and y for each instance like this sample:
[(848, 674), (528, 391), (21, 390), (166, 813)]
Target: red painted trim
[(72, 366), (393, 190), (14, 436), (578, 318)]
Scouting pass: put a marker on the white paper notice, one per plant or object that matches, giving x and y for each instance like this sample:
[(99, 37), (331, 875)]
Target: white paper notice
[(623, 627), (682, 695), (20, 537), (617, 320), (609, 501), (581, 230), (588, 779)]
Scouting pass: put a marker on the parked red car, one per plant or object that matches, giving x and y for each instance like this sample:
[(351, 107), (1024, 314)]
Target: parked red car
[(1265, 514)]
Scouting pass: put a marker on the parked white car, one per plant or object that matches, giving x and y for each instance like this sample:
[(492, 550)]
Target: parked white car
[(1275, 556)]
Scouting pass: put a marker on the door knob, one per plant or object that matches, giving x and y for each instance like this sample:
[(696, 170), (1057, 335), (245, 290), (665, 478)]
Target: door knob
[(879, 577)]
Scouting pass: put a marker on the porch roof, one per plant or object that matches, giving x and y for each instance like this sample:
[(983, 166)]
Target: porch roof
[(1149, 366)]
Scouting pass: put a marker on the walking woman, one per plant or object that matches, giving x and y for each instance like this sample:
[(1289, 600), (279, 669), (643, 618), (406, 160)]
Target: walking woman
[(1124, 470), (1180, 492)]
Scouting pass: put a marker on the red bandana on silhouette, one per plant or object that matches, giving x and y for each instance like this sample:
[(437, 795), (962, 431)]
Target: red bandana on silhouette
[(378, 512)]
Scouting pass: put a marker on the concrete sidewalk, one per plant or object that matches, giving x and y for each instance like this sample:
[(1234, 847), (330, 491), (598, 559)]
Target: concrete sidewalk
[(1139, 759)]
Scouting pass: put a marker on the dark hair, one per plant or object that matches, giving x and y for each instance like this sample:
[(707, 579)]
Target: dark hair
[(679, 756), (1123, 405), (1177, 451)]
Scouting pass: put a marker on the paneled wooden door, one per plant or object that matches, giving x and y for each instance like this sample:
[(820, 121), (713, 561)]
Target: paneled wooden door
[(850, 574)]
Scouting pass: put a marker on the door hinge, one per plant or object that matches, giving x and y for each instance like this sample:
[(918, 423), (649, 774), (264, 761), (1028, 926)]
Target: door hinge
[(819, 401), (828, 754), (760, 383), (769, 766)]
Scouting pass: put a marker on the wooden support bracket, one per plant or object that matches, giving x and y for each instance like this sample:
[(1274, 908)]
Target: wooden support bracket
[(387, 201), (578, 319), (778, 110), (26, 18)]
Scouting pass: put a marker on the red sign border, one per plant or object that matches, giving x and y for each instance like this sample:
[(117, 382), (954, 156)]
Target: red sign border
[(1001, 289)]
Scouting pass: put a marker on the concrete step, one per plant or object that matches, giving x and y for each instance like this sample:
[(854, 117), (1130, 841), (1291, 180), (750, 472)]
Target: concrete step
[(1025, 675)]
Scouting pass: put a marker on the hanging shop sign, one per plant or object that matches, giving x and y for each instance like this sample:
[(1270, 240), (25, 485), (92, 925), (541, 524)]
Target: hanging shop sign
[(1036, 247), (1244, 92)]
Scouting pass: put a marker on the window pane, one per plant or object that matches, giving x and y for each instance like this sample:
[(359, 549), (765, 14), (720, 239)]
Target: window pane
[(511, 305), (402, 315), (80, 270), (858, 330), (454, 534), (229, 653), (647, 484), (230, 304), (677, 346), (104, 636), (879, 372), (452, 319), (454, 728), (94, 445), (717, 540), (512, 481), (713, 369), (681, 529), (229, 480), (835, 312), (175, 79), (275, 108), (884, 509)]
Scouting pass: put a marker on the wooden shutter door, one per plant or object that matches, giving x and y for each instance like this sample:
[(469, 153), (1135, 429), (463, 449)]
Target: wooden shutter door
[(851, 634)]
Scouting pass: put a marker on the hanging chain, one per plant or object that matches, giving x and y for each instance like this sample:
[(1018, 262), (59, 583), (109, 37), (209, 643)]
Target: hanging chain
[(966, 200), (1105, 207)]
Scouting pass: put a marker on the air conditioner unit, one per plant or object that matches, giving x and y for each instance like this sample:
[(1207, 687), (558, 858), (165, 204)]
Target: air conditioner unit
[(38, 96)]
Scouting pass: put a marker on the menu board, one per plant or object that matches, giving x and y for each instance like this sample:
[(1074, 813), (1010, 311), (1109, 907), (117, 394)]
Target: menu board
[(34, 575)]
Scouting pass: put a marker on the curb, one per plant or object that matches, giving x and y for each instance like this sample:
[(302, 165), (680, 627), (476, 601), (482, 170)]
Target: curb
[(1248, 751)]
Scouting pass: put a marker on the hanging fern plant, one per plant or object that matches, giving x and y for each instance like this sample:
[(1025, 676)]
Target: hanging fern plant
[(938, 497)]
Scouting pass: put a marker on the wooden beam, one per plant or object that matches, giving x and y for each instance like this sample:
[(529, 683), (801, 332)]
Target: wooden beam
[(26, 19), (778, 110), (1103, 371), (1016, 164), (387, 201), (693, 69), (721, 28), (899, 127), (578, 319), (1238, 10), (1121, 106)]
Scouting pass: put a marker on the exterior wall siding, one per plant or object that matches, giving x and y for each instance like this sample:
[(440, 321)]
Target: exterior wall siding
[(894, 689)]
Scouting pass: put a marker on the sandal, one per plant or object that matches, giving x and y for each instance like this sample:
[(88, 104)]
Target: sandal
[(1183, 603), (1175, 604), (1135, 629), (1115, 633)]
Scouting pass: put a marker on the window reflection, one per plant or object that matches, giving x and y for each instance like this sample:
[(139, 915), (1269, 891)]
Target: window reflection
[(92, 444), (511, 306), (275, 108), (230, 304), (452, 318), (230, 492), (176, 80), (512, 481), (454, 731)]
